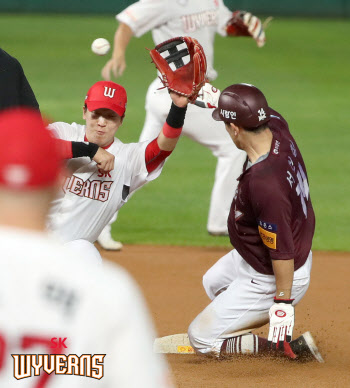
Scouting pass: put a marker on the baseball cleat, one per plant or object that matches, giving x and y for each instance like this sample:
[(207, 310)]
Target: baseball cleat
[(106, 241), (216, 234), (305, 348)]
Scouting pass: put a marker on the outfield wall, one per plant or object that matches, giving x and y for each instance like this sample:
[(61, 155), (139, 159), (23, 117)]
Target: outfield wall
[(316, 8)]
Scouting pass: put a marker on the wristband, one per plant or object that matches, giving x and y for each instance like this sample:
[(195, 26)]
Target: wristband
[(80, 149), (288, 301), (171, 132), (176, 116)]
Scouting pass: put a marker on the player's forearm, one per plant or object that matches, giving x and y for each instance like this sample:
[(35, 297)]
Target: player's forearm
[(161, 147), (122, 38), (172, 128), (74, 149), (284, 273)]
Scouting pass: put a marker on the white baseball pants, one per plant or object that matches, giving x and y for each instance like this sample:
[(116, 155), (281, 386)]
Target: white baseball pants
[(241, 299)]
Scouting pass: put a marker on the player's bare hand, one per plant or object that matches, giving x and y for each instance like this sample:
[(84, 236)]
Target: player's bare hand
[(104, 160), (115, 66), (178, 100)]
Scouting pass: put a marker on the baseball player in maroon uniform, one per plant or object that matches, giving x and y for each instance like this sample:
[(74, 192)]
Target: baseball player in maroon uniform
[(271, 225)]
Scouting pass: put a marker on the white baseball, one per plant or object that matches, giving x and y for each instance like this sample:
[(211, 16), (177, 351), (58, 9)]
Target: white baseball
[(100, 46)]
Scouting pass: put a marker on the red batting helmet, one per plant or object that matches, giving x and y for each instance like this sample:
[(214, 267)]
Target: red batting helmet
[(244, 105)]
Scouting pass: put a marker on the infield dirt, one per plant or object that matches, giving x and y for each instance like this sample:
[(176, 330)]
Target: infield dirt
[(171, 280)]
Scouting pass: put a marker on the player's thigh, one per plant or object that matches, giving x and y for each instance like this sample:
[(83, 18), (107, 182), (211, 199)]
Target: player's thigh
[(219, 277), (243, 306), (301, 280)]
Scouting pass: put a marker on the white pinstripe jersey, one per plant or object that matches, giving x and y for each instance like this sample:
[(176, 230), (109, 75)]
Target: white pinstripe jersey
[(90, 198)]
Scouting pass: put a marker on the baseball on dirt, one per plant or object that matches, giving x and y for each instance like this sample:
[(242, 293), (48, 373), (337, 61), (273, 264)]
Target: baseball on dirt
[(100, 46)]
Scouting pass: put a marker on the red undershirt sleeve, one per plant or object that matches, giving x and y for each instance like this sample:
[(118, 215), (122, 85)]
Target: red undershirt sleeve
[(154, 156), (65, 147)]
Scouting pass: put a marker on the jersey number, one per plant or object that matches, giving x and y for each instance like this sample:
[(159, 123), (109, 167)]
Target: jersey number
[(302, 188), (26, 342)]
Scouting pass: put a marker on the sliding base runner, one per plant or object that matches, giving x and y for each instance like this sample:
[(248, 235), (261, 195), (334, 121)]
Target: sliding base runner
[(304, 346)]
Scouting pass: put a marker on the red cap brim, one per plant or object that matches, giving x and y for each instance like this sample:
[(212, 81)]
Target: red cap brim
[(94, 105)]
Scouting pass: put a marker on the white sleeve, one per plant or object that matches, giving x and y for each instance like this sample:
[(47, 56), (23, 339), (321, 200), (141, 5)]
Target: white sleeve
[(131, 344), (137, 166), (144, 15), (63, 131), (224, 16)]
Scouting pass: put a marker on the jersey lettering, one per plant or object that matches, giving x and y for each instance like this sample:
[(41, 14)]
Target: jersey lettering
[(228, 114), (103, 174), (77, 185), (194, 22), (302, 188), (96, 190)]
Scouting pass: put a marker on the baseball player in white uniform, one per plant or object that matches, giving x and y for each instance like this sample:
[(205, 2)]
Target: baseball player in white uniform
[(89, 196), (52, 300), (199, 19)]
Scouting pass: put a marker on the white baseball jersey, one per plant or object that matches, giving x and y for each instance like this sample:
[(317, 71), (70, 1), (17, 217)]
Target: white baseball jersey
[(89, 198), (199, 19), (47, 293)]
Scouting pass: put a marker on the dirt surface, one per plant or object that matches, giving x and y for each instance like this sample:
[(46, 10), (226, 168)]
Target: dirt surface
[(170, 278)]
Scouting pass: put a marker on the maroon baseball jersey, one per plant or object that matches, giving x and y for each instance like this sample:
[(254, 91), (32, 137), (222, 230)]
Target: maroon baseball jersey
[(271, 215)]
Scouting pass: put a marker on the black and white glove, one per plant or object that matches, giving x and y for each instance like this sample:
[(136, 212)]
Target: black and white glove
[(208, 96), (281, 323)]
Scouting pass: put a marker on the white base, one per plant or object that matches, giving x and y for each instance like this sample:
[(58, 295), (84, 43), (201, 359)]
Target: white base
[(173, 344)]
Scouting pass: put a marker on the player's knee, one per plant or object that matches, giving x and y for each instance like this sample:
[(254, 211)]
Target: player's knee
[(202, 345), (194, 337)]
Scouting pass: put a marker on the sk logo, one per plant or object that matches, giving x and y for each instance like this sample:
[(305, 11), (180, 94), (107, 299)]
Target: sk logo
[(109, 92), (103, 174), (262, 114)]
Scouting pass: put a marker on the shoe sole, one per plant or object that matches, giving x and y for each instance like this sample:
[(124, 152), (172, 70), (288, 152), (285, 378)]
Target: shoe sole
[(312, 346), (110, 248)]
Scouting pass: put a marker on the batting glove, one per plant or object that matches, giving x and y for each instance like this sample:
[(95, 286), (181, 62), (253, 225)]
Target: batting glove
[(281, 323), (208, 97)]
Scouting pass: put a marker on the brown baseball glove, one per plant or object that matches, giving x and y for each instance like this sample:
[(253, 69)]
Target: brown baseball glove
[(182, 64), (244, 23)]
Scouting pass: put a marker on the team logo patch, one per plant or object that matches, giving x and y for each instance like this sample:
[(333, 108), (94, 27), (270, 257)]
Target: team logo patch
[(109, 92), (268, 234), (185, 349), (262, 114), (280, 313)]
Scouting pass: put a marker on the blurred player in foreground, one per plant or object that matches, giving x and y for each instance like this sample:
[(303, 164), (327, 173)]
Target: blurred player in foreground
[(271, 225), (202, 20), (52, 301), (15, 89)]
